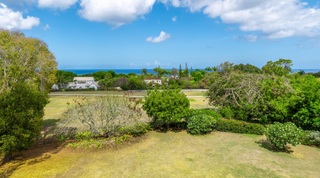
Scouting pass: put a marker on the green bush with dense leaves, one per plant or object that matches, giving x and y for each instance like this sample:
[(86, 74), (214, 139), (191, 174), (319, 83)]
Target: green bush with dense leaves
[(311, 138), (209, 112), (235, 126), (279, 135), (201, 124), (21, 112), (167, 106)]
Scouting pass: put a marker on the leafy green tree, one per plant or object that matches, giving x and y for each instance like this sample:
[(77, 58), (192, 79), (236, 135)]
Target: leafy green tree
[(247, 68), (180, 71), (280, 68), (21, 112), (63, 77), (305, 105), (25, 59), (144, 71), (167, 106), (198, 74), (160, 72)]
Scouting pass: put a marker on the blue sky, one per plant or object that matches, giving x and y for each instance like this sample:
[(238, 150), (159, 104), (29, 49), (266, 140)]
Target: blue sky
[(115, 34)]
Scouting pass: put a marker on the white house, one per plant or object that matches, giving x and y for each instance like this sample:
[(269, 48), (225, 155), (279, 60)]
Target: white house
[(83, 83), (153, 81)]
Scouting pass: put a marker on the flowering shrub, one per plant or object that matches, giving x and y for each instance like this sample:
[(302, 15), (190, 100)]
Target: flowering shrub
[(279, 135)]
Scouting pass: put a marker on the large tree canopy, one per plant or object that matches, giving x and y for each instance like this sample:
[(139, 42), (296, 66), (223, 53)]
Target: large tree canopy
[(27, 72), (24, 59)]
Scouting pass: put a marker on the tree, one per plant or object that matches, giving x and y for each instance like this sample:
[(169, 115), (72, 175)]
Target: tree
[(186, 71), (144, 71), (25, 59), (63, 77), (247, 68), (21, 112), (159, 71), (280, 68), (180, 71), (27, 73), (167, 106)]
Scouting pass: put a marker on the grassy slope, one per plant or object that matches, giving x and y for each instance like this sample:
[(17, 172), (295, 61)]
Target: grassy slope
[(167, 155)]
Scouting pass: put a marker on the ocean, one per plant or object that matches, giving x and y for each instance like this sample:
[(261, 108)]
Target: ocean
[(138, 71), (117, 71)]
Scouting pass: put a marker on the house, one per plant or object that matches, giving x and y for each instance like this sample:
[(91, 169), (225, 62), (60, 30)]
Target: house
[(153, 81), (83, 83)]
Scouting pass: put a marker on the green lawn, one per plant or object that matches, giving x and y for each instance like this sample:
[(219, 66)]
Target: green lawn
[(165, 155), (174, 155)]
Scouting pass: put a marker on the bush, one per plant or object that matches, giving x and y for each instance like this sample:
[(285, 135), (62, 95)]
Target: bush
[(311, 138), (167, 106), (279, 135), (86, 135), (201, 124), (136, 130), (236, 126), (209, 112)]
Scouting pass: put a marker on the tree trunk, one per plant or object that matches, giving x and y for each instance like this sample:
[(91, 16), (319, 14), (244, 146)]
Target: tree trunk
[(7, 158)]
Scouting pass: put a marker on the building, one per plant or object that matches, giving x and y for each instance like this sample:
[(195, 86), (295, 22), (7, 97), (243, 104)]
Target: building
[(153, 81), (83, 83)]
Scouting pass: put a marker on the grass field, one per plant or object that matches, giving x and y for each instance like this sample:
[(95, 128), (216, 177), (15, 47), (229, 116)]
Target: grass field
[(165, 155), (173, 155)]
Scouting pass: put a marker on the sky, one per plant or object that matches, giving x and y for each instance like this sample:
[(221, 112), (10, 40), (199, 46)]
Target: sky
[(136, 34)]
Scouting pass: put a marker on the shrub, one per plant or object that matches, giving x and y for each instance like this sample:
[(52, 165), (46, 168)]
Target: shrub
[(279, 135), (209, 112), (102, 116), (168, 106), (136, 130), (201, 124), (86, 135), (311, 138), (236, 126)]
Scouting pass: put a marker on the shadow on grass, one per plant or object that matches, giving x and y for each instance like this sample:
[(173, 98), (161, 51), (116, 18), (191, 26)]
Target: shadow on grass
[(34, 155), (267, 145), (40, 151)]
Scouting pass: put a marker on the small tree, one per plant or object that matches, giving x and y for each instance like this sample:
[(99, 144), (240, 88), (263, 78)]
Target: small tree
[(280, 135), (168, 106), (21, 112)]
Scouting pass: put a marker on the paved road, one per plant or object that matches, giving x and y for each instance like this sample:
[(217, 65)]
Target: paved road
[(72, 94), (133, 96)]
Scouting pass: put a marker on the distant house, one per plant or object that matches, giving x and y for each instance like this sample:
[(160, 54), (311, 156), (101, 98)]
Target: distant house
[(83, 83), (55, 87), (153, 81)]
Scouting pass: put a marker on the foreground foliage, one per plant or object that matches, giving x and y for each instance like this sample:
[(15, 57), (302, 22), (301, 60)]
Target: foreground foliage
[(279, 135), (21, 112)]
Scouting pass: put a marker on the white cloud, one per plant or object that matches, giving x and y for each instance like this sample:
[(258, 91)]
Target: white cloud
[(274, 18), (56, 4), (46, 27), (115, 12), (163, 36), (10, 19), (174, 19)]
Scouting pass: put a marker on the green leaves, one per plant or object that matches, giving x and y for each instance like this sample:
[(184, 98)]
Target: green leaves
[(168, 106), (21, 112), (281, 134)]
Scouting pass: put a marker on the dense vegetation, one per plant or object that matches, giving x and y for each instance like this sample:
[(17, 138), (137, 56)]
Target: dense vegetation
[(27, 72)]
